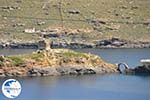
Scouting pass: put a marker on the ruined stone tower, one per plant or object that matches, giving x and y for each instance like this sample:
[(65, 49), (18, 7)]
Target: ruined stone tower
[(44, 44)]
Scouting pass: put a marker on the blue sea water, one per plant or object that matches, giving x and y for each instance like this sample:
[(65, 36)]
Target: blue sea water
[(91, 87)]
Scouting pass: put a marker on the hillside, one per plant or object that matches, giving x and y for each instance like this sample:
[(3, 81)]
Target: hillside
[(79, 20)]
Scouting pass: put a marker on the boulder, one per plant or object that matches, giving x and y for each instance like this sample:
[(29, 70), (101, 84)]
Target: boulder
[(74, 12), (2, 74), (47, 71), (69, 70)]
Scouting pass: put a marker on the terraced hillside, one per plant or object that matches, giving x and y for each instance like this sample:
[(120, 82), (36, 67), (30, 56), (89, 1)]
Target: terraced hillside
[(88, 20)]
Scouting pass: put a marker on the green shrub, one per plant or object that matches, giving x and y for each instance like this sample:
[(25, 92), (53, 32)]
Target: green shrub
[(1, 59), (1, 64), (16, 61), (37, 56)]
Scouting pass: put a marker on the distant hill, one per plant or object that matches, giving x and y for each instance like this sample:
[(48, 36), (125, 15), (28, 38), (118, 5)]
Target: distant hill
[(90, 19)]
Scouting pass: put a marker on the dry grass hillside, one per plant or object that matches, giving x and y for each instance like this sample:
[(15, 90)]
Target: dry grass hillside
[(93, 19)]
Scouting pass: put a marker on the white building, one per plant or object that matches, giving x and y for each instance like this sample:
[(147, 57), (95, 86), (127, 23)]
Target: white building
[(29, 30)]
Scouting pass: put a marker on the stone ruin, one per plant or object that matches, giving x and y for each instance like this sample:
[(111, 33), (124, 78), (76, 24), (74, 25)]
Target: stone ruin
[(44, 44)]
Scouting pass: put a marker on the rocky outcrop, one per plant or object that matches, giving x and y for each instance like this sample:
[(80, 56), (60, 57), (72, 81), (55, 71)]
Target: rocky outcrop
[(74, 12), (47, 71), (138, 70), (109, 43), (73, 45), (54, 62), (120, 43), (19, 45)]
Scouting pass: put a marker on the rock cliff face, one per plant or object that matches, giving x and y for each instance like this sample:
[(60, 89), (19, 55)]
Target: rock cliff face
[(138, 70), (60, 43), (54, 62)]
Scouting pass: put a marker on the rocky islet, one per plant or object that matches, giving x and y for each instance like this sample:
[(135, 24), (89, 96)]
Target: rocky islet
[(54, 62)]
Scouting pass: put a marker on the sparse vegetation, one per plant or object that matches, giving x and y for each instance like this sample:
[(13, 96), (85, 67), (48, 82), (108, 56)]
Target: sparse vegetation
[(16, 60), (125, 19), (37, 56), (74, 54), (54, 62), (43, 58), (1, 63)]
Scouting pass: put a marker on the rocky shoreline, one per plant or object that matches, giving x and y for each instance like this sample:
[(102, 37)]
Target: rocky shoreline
[(109, 43), (138, 70), (52, 71), (142, 69), (54, 62)]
